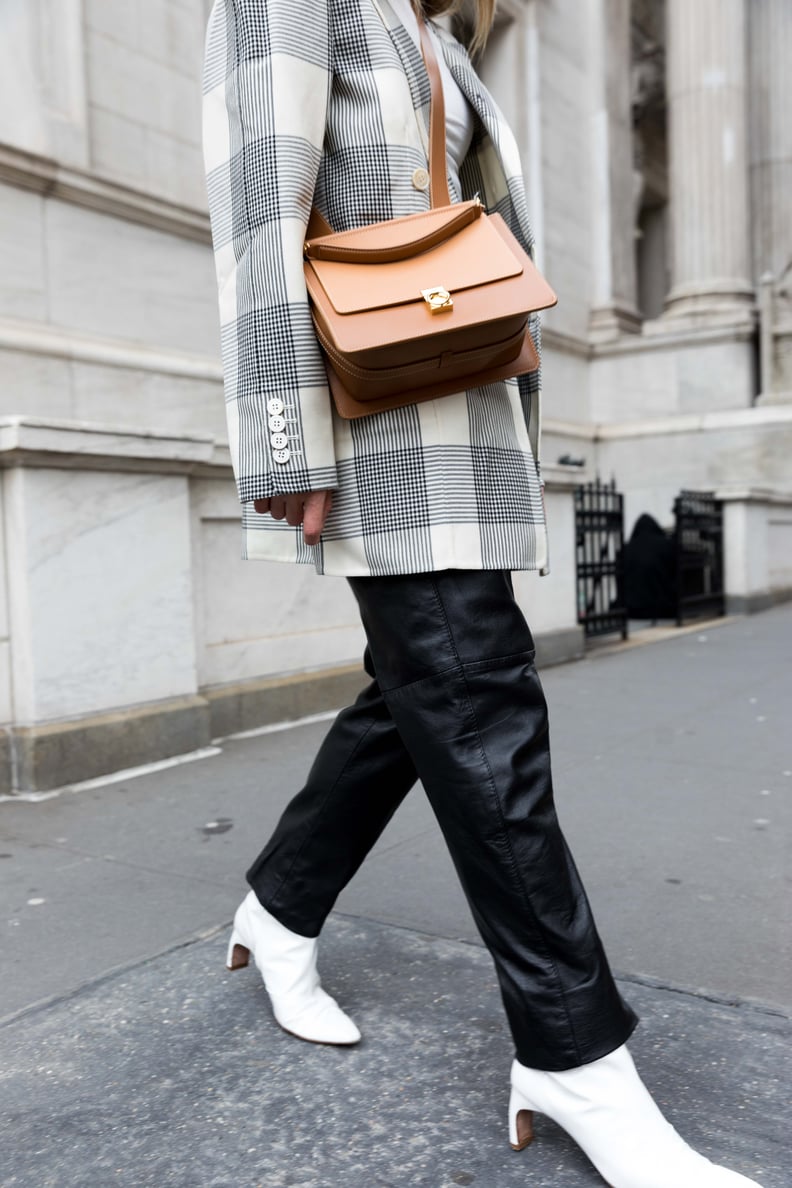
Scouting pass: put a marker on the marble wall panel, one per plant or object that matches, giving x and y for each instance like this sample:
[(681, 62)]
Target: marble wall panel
[(720, 376), (5, 626), (548, 601), (174, 169), (23, 118), (651, 470), (502, 72), (174, 33), (262, 619), (118, 147), (658, 381), (34, 385), (758, 548), (177, 26), (630, 387), (559, 439), (565, 387), (146, 400), (134, 84), (144, 85), (745, 555), (101, 587), (565, 97), (214, 499), (114, 18), (6, 704), (783, 366), (127, 281), (121, 79), (779, 548), (23, 282)]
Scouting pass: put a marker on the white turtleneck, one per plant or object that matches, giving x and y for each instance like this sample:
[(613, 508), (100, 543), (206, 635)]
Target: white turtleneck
[(459, 115)]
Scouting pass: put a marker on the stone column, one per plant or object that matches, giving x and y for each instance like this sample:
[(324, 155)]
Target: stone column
[(708, 165), (770, 40), (614, 307)]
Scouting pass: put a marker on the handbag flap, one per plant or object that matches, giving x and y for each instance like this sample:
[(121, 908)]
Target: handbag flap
[(476, 255), (405, 236)]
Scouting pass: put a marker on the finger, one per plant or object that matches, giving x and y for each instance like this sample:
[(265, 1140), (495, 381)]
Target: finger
[(262, 505), (294, 510), (315, 513), (277, 507)]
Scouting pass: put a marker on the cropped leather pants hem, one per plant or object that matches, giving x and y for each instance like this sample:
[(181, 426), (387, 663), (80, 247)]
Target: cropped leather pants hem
[(455, 701)]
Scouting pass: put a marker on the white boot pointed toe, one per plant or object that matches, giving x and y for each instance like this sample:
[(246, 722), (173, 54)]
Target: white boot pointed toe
[(605, 1107), (322, 1022), (287, 963)]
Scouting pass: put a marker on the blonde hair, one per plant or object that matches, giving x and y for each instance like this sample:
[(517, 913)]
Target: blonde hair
[(482, 22)]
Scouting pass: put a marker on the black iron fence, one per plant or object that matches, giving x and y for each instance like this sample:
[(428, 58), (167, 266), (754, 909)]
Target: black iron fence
[(698, 548), (661, 574), (599, 534)]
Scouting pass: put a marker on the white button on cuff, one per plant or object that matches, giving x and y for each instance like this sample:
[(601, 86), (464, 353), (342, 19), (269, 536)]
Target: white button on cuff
[(275, 407), (277, 424), (420, 179), (282, 455), (279, 440)]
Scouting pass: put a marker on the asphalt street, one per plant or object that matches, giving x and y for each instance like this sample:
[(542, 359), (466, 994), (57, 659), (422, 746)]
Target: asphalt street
[(129, 1056)]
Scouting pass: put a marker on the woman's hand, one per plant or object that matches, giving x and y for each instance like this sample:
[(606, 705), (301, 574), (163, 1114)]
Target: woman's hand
[(309, 508)]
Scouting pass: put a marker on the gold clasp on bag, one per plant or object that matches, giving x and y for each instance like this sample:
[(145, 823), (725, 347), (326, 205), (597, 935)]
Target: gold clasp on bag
[(438, 299)]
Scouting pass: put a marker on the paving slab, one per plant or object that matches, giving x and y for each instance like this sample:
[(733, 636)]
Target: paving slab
[(172, 1074)]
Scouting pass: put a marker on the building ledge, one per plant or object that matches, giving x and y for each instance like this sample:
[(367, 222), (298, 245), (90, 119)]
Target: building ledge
[(38, 441), (761, 495), (43, 175), (61, 342), (758, 416), (671, 334)]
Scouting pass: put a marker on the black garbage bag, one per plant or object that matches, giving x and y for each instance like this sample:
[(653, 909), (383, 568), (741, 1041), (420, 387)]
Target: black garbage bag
[(649, 571)]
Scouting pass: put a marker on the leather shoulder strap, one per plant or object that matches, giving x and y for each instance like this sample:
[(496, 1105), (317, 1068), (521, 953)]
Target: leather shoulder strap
[(438, 167)]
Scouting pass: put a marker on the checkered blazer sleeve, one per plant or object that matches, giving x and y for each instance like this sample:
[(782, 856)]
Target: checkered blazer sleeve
[(266, 86), (530, 387)]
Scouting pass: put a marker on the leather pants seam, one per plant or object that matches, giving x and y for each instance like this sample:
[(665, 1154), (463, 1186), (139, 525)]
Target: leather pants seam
[(491, 663), (504, 830), (276, 893)]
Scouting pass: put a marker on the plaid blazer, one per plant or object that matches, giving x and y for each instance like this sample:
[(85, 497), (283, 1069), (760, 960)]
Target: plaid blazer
[(327, 102)]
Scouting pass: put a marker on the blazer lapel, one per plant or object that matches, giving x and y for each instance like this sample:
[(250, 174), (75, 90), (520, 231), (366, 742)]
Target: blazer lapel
[(413, 63), (497, 171)]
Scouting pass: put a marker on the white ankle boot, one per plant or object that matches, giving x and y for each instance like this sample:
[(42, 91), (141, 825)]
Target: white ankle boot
[(605, 1107), (287, 963)]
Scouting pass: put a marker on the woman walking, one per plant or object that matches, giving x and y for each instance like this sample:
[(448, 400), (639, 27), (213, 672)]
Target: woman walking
[(425, 510)]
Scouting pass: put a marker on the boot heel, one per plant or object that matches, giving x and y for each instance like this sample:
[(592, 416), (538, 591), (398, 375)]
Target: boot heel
[(520, 1121), (238, 954)]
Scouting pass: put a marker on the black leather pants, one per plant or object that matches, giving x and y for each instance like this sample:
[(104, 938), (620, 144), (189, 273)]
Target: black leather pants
[(456, 701)]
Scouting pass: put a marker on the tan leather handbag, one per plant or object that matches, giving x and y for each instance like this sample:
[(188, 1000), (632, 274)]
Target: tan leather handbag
[(422, 306)]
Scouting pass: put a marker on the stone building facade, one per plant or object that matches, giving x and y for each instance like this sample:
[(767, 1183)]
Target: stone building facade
[(658, 156)]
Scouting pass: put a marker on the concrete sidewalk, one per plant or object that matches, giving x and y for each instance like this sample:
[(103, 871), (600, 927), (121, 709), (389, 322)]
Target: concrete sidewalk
[(673, 767)]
